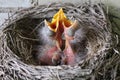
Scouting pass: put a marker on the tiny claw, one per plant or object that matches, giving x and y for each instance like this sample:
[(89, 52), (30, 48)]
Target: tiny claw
[(64, 60), (56, 59)]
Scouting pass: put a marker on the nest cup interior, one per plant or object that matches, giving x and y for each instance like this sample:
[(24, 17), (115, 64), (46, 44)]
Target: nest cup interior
[(19, 35), (22, 35)]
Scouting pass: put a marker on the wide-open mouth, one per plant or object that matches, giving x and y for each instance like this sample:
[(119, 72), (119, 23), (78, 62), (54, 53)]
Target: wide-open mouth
[(25, 42), (59, 20), (22, 37), (60, 26), (36, 39)]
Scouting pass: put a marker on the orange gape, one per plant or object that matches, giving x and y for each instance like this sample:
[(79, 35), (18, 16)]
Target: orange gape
[(59, 25), (59, 21)]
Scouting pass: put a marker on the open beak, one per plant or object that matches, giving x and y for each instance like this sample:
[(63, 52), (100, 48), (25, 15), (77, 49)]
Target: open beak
[(62, 27), (57, 25)]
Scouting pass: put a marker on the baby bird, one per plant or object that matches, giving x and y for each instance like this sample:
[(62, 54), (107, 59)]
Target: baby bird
[(60, 41)]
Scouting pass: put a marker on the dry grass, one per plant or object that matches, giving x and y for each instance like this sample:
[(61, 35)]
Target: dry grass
[(19, 34)]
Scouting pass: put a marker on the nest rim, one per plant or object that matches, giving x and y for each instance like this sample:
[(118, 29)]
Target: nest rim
[(27, 14)]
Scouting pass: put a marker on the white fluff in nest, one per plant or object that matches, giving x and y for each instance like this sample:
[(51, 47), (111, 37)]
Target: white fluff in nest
[(77, 44)]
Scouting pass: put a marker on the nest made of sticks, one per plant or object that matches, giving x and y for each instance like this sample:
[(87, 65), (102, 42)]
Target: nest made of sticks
[(19, 34)]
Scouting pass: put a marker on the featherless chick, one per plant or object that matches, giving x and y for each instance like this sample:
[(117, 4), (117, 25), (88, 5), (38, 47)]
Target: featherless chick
[(62, 39)]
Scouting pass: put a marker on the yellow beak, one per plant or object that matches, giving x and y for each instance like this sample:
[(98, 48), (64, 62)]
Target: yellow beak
[(59, 25), (59, 21)]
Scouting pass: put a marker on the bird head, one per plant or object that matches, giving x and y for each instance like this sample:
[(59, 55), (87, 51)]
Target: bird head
[(60, 25)]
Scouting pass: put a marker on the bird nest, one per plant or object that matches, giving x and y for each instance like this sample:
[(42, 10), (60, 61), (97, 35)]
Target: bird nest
[(19, 34)]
